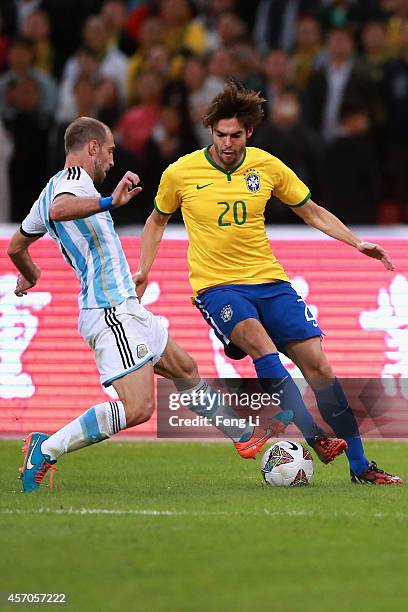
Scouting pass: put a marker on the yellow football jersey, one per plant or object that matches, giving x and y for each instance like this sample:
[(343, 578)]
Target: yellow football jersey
[(224, 214)]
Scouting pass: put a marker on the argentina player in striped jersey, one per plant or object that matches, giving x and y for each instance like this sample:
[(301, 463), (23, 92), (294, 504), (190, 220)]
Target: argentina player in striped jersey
[(128, 341)]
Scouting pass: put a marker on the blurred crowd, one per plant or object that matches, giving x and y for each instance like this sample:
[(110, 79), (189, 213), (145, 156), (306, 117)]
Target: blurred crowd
[(334, 73)]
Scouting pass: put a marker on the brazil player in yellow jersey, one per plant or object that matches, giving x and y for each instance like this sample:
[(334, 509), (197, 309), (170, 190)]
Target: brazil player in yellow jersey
[(239, 286)]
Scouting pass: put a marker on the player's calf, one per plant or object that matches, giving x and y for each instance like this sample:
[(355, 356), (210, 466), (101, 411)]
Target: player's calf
[(136, 394), (138, 411)]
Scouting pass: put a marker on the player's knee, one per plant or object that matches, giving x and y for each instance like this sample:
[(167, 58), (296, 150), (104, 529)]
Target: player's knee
[(184, 368), (256, 342), (188, 367), (321, 369)]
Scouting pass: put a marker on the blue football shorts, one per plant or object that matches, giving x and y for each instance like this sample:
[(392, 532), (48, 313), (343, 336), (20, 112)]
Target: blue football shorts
[(281, 311)]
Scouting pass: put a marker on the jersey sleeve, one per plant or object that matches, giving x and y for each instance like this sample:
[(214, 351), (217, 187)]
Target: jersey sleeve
[(76, 182), (289, 188), (33, 225), (167, 199)]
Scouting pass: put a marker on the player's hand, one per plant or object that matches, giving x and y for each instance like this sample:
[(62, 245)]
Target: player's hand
[(377, 252), (126, 189), (23, 285), (141, 280)]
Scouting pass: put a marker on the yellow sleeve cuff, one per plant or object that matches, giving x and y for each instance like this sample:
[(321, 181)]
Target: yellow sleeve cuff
[(309, 195), (160, 211)]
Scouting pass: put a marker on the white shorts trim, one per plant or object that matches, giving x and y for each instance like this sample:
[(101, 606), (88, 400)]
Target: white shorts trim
[(107, 383), (123, 338)]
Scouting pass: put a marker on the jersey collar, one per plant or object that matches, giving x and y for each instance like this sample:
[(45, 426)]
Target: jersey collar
[(220, 168)]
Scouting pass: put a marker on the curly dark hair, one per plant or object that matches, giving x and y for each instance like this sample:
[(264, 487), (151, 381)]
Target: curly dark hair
[(236, 101)]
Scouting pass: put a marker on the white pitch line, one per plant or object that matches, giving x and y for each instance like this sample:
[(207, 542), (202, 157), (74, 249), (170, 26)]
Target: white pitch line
[(145, 512), (108, 511)]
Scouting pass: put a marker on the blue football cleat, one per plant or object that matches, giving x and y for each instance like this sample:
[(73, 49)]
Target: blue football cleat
[(36, 464)]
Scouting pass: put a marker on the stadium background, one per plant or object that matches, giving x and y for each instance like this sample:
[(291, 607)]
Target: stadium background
[(335, 74)]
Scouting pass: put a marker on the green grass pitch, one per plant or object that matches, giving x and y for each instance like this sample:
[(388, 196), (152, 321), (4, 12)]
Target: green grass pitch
[(177, 527)]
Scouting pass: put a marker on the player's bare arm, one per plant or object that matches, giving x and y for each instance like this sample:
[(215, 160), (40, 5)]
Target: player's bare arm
[(17, 250), (149, 245), (323, 220), (67, 207)]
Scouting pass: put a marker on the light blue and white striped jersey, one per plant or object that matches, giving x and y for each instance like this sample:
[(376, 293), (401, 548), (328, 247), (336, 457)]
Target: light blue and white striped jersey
[(90, 246)]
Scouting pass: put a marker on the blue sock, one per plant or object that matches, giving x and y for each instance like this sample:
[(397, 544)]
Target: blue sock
[(337, 413), (276, 379)]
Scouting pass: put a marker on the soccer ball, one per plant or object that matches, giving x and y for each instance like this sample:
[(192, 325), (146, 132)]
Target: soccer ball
[(287, 464)]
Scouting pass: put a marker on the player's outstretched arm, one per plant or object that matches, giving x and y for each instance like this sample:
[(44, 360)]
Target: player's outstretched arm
[(17, 250), (67, 207), (149, 245), (326, 222)]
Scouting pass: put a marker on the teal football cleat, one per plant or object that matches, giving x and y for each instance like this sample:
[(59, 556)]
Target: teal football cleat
[(36, 464)]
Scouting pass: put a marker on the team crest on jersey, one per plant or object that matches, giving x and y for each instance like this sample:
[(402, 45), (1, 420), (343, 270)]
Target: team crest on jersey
[(226, 313), (141, 350), (253, 180)]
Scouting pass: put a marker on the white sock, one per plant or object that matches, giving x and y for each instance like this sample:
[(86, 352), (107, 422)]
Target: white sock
[(96, 424), (215, 409)]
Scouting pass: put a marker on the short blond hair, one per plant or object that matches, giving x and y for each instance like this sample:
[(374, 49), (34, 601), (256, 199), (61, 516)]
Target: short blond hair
[(83, 130)]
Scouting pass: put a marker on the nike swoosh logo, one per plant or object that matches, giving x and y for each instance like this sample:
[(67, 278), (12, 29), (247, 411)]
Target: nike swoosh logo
[(274, 386), (292, 446), (202, 186), (29, 465), (337, 414)]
